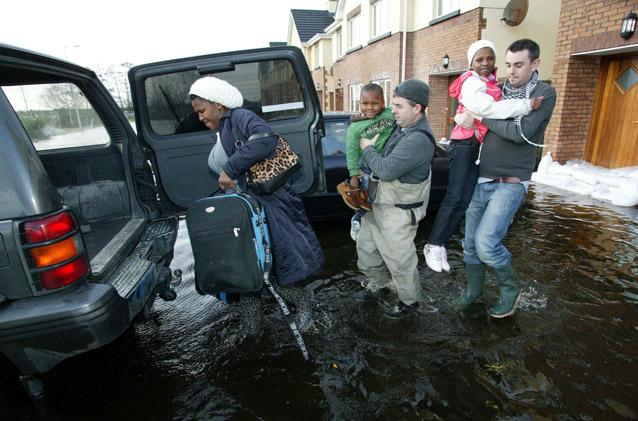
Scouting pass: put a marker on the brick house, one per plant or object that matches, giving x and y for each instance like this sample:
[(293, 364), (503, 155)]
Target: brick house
[(306, 31), (582, 55), (596, 79)]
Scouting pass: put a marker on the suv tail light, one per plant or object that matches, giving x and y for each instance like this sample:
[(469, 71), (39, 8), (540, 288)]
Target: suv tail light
[(55, 250)]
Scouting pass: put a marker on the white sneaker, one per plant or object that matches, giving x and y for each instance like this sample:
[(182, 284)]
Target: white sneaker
[(433, 257), (444, 264), (355, 227)]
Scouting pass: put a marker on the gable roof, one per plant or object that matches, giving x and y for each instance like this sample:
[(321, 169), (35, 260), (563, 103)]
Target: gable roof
[(311, 22)]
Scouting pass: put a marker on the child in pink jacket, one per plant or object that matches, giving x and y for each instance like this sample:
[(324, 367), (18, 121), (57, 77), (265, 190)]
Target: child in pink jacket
[(478, 92)]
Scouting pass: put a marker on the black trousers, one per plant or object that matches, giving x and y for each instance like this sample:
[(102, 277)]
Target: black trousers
[(462, 177)]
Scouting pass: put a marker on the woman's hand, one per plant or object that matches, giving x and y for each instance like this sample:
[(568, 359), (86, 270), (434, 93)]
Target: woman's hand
[(225, 182)]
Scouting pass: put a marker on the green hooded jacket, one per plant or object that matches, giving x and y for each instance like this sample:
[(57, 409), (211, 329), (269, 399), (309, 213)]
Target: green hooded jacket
[(383, 124)]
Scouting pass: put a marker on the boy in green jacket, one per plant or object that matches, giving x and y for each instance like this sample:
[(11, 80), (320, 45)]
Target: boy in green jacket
[(374, 119)]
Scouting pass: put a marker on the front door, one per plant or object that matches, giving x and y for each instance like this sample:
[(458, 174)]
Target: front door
[(275, 83), (613, 140)]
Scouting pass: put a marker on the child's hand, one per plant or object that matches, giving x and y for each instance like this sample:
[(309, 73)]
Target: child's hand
[(465, 119), (536, 102)]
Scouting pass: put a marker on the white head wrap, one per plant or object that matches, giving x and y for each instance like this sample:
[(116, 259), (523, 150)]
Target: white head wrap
[(217, 90), (482, 43)]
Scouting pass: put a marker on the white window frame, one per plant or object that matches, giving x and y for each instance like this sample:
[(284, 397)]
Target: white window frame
[(354, 98), (379, 17), (443, 7), (385, 85), (339, 42), (354, 29), (315, 56)]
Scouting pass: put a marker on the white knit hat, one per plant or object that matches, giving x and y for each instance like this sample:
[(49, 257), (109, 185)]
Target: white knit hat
[(217, 90), (482, 43)]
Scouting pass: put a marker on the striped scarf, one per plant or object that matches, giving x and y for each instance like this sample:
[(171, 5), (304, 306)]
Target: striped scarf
[(522, 92)]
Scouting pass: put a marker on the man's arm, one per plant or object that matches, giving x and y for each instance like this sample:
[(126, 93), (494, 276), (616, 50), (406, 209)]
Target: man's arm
[(475, 98), (529, 123), (406, 155)]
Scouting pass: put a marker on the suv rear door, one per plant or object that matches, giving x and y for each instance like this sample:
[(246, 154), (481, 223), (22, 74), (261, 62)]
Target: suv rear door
[(275, 83)]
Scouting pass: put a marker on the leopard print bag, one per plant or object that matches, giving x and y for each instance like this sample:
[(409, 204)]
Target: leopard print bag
[(269, 175)]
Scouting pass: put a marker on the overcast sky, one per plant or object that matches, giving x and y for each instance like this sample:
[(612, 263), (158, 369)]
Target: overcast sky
[(93, 33)]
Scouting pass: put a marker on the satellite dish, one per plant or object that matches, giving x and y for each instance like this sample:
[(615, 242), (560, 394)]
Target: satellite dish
[(515, 12)]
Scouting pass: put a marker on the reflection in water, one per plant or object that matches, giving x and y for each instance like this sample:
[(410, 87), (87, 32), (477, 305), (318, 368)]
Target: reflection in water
[(570, 352)]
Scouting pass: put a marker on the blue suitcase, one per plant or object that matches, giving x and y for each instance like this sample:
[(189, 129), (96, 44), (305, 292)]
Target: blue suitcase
[(229, 237)]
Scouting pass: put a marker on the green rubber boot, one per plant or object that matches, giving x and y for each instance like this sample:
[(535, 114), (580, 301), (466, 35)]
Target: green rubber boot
[(508, 293), (475, 276)]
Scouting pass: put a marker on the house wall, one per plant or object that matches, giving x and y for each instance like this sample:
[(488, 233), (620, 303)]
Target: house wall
[(584, 25), (380, 60), (540, 24), (426, 49)]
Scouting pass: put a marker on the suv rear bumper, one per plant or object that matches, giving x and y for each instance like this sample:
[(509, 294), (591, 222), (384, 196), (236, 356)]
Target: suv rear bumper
[(37, 333)]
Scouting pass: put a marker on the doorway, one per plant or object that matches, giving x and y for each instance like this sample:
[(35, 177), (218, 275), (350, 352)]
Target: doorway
[(613, 135)]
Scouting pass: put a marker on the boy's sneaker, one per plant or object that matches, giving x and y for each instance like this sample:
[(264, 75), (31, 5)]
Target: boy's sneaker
[(433, 257), (353, 197), (355, 227), (444, 264)]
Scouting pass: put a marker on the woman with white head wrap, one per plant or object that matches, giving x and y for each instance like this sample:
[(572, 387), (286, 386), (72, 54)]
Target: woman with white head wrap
[(478, 92), (296, 250)]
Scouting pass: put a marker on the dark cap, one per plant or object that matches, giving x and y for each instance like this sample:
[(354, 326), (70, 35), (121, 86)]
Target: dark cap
[(415, 90)]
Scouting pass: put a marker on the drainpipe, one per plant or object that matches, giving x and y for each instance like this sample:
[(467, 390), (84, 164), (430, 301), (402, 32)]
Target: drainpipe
[(405, 36)]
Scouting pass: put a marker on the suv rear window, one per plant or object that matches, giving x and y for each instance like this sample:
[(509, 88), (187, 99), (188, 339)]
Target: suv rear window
[(270, 89), (57, 116)]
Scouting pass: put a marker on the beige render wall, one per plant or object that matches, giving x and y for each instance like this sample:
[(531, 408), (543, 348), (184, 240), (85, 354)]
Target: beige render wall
[(540, 25), (325, 52)]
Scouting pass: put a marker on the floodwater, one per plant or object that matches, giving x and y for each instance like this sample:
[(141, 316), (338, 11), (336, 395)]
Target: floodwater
[(571, 352)]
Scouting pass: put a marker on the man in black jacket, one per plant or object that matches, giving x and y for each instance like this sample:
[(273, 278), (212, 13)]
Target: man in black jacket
[(508, 158)]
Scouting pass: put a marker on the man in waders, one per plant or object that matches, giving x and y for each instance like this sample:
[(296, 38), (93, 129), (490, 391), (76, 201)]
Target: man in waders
[(399, 192)]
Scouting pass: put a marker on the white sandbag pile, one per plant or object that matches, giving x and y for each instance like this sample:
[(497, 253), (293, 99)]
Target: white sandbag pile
[(618, 186)]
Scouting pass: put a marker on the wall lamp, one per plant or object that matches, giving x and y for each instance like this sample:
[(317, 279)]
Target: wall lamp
[(446, 61), (338, 83), (628, 25)]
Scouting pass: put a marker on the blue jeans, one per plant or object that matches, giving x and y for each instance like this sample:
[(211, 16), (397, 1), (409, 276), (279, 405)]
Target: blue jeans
[(462, 176), (487, 219)]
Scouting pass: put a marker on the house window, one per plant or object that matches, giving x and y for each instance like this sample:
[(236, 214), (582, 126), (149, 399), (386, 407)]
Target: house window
[(355, 95), (353, 31), (339, 42), (315, 56), (379, 18), (443, 7), (385, 85)]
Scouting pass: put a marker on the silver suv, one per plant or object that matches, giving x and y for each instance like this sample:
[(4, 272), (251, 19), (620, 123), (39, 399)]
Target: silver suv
[(89, 205)]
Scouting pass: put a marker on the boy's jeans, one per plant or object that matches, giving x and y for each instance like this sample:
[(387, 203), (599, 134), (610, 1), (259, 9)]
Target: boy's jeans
[(487, 219)]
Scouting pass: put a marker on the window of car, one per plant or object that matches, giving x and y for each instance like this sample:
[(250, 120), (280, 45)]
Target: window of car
[(270, 89), (334, 142), (57, 116)]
